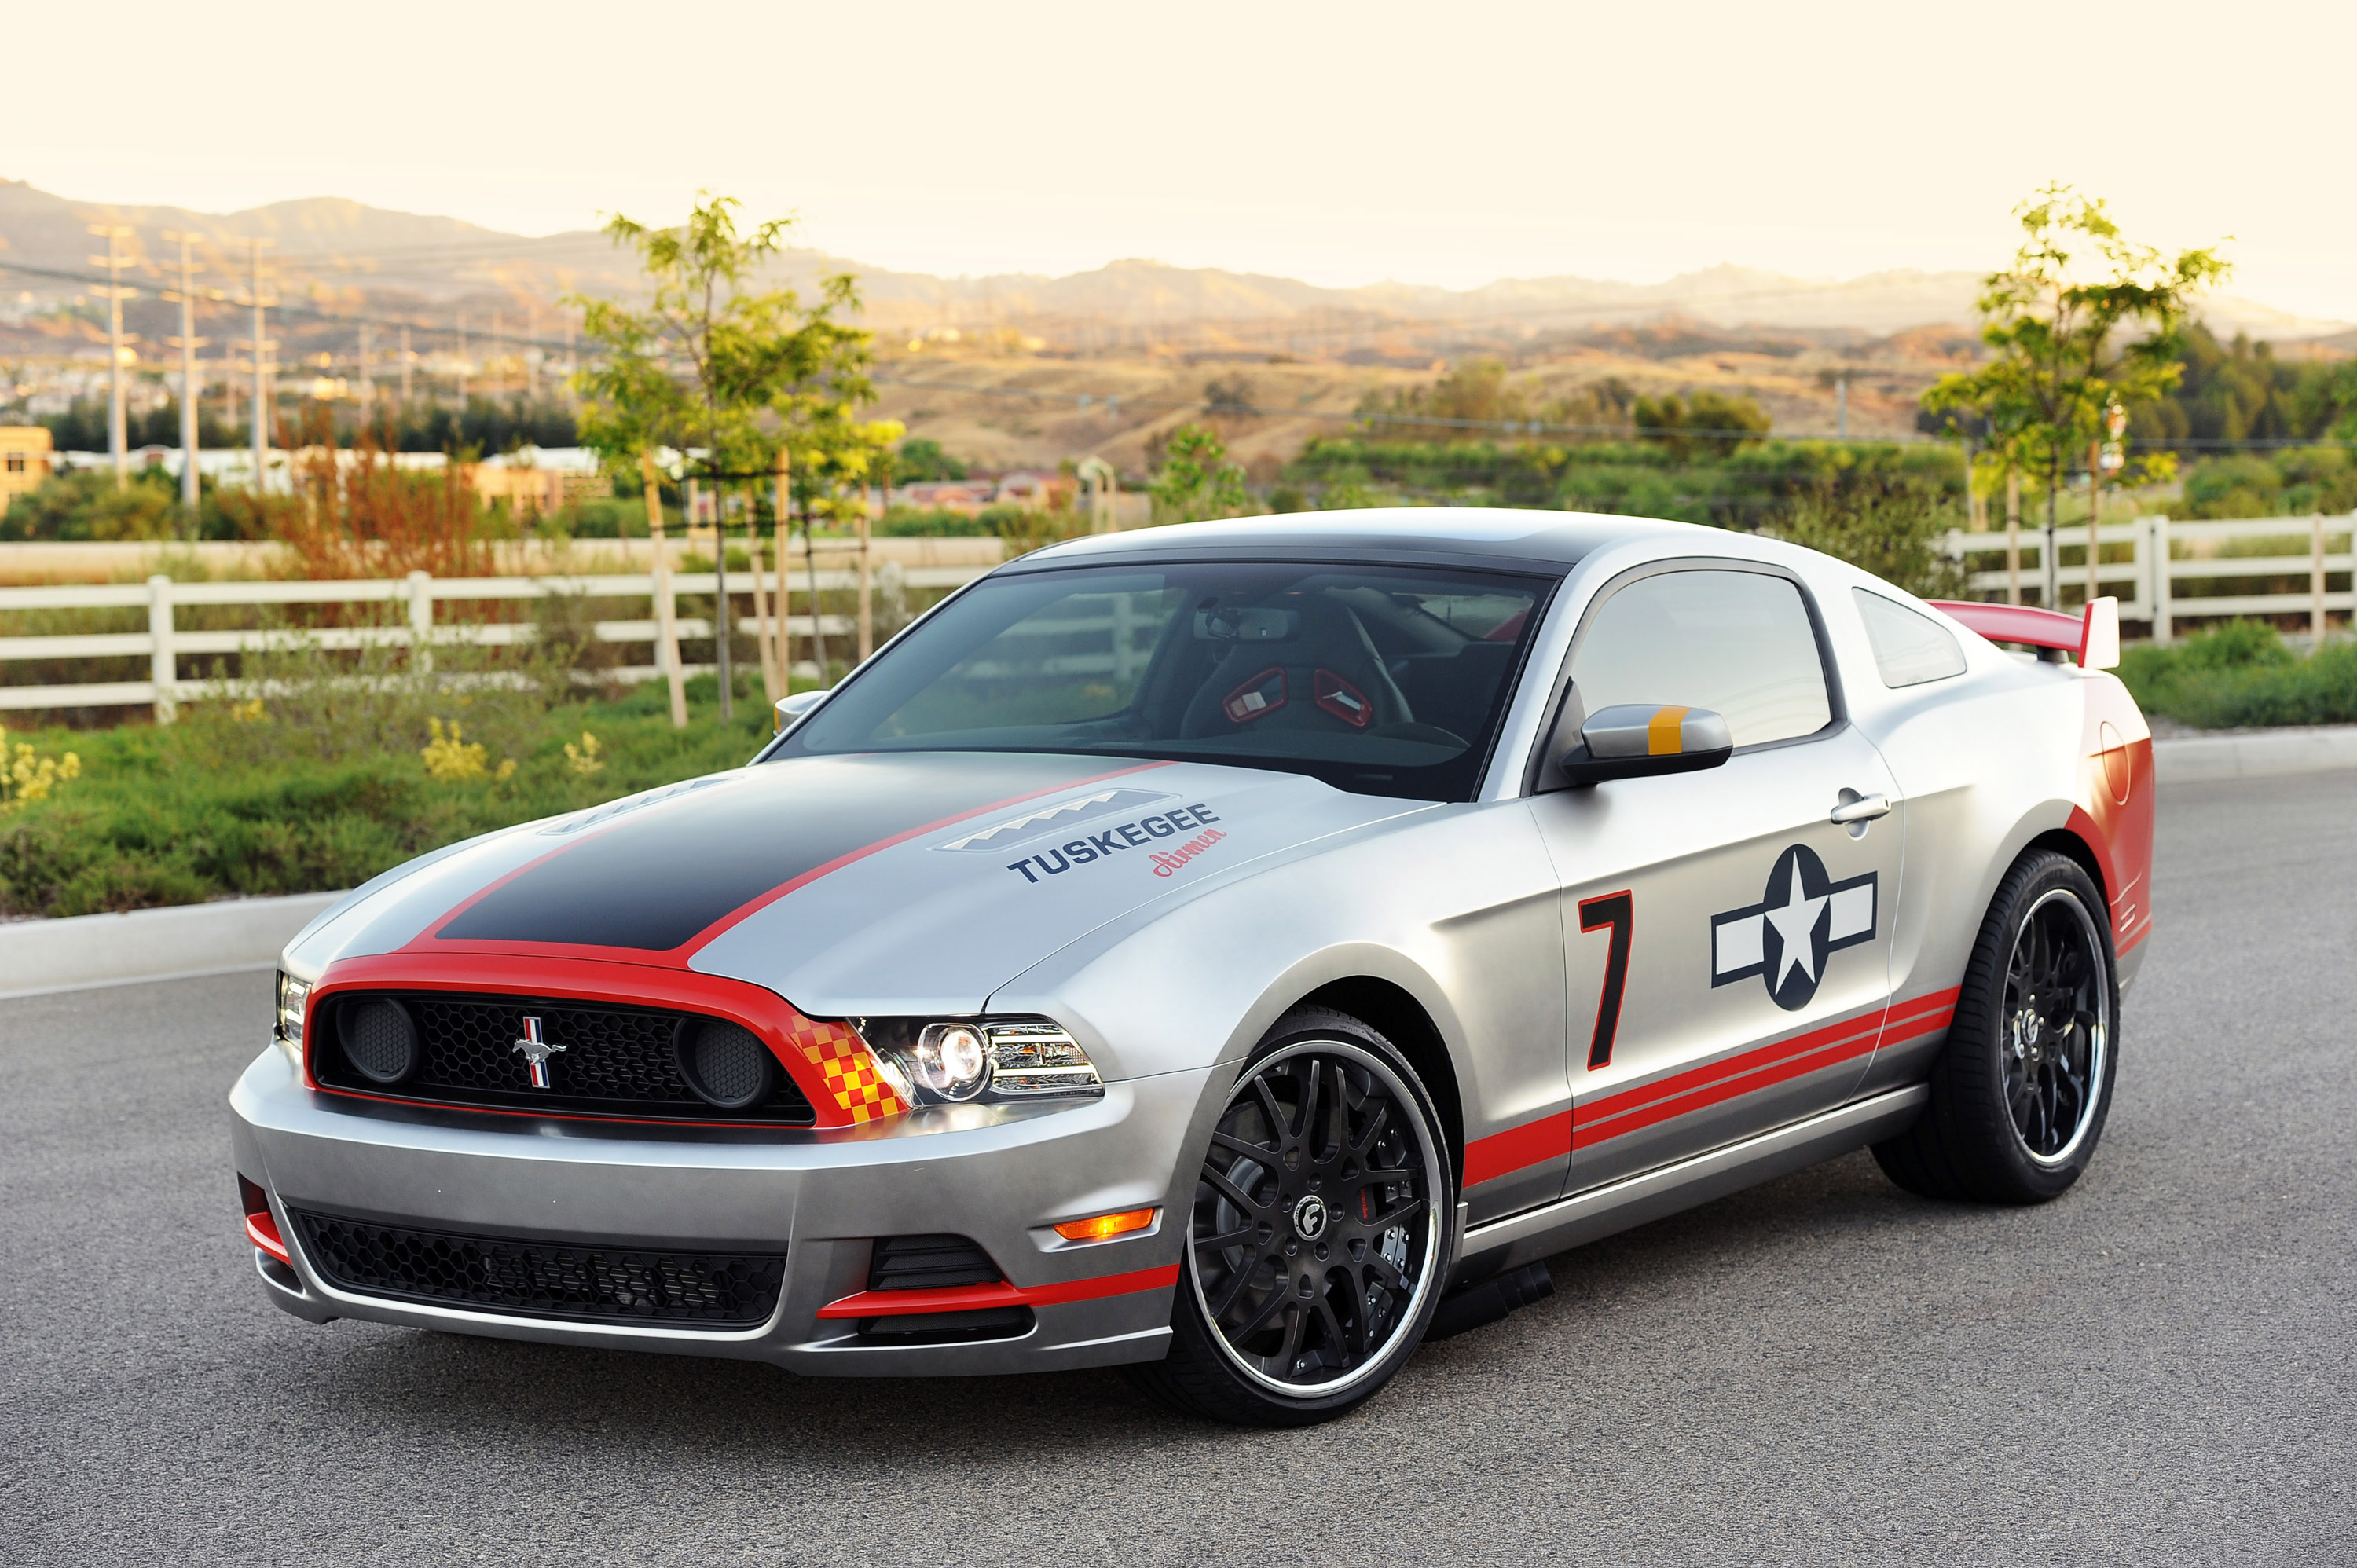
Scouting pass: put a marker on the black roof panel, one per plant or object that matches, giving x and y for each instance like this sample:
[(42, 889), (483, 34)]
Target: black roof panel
[(1552, 539)]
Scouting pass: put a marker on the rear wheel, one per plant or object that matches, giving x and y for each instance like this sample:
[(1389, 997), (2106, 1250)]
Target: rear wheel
[(1317, 1235), (2021, 1088)]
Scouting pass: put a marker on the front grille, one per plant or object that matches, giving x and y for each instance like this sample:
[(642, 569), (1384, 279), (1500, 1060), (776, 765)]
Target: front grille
[(535, 1279), (928, 1262), (616, 1061)]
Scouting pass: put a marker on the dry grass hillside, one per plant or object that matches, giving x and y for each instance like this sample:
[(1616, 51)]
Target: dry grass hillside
[(1003, 405)]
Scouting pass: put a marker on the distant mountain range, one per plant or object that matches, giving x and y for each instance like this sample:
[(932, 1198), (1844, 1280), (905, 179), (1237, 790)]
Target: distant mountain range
[(335, 249)]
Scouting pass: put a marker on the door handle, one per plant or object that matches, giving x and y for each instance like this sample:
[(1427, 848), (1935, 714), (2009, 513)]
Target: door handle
[(1859, 808)]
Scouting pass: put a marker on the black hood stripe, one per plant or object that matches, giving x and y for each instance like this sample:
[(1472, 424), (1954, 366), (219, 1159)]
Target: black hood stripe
[(656, 880)]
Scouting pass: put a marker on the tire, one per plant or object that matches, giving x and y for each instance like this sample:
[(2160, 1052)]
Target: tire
[(1288, 1203), (2020, 1091)]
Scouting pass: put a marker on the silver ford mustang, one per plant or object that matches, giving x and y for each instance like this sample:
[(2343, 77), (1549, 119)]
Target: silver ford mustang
[(1241, 952)]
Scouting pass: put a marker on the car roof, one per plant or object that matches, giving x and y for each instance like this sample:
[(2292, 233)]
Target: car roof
[(1548, 541)]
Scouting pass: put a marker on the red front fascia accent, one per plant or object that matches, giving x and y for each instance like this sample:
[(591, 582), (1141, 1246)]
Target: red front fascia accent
[(573, 977), (1696, 1088), (262, 1231), (975, 1299)]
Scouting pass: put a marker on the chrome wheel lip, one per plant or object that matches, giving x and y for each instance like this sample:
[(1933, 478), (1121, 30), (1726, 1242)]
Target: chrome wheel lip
[(1428, 1280), (2100, 1034)]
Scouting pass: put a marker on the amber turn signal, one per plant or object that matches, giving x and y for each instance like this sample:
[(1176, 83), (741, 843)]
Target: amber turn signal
[(1106, 1225)]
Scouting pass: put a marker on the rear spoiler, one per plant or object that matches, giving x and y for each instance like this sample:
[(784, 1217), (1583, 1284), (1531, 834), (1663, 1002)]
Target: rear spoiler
[(2094, 638)]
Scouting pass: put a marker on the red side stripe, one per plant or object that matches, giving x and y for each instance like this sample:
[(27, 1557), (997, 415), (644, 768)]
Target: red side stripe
[(1755, 1070), (972, 1298), (1697, 1088), (1517, 1148)]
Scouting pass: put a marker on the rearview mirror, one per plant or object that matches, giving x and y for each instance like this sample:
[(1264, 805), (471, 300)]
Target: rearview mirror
[(790, 710), (1236, 624), (1637, 740)]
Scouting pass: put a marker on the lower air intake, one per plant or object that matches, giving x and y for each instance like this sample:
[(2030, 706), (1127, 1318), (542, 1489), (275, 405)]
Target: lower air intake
[(930, 1262), (535, 1279)]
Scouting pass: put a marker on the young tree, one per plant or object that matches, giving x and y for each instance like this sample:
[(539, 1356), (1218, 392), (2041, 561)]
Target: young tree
[(719, 369), (1196, 482), (2060, 324)]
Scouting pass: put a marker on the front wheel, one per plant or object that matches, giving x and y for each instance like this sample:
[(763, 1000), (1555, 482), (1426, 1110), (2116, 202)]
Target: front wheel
[(1317, 1235), (2020, 1091)]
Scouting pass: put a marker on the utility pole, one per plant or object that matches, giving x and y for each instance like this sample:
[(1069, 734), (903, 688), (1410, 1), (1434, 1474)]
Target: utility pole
[(406, 360), (114, 294), (368, 387), (261, 347), (1841, 406), (188, 343), (495, 377), (462, 368)]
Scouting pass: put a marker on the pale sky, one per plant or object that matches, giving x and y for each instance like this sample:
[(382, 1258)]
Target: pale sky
[(1343, 144)]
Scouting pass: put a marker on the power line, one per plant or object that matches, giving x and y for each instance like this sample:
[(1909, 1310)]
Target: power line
[(1115, 401)]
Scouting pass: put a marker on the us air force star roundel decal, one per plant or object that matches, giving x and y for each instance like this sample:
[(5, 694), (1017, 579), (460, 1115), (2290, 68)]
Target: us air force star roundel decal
[(1786, 938)]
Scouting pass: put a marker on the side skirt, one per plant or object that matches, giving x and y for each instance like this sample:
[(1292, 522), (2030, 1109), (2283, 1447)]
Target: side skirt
[(1636, 1201)]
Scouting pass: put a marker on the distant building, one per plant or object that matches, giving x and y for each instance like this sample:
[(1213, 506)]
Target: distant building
[(967, 497), (24, 459), (538, 481)]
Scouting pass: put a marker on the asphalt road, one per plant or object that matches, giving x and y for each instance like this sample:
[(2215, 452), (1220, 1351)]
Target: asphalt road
[(2161, 1366)]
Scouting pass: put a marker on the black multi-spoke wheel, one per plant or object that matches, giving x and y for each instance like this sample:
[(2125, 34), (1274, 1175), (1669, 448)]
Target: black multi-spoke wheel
[(2021, 1089), (1316, 1242), (2057, 1026)]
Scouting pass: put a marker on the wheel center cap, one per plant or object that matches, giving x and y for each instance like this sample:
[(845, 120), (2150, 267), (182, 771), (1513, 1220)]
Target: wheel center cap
[(1310, 1218)]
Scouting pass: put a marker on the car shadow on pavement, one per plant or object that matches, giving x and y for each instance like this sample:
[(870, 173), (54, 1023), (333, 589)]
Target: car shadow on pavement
[(389, 1379)]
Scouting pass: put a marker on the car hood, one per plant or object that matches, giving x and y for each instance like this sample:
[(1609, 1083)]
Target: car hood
[(908, 882)]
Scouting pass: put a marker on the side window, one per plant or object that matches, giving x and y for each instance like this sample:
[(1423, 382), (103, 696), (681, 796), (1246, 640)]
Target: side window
[(1738, 643), (1909, 648)]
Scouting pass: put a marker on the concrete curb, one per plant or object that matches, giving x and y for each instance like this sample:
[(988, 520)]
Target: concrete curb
[(37, 956), (2253, 754), (189, 940)]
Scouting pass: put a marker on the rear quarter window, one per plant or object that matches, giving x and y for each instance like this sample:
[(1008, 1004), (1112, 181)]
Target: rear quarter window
[(1910, 646)]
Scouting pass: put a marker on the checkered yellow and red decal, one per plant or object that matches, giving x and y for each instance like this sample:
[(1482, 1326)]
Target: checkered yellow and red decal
[(848, 1071)]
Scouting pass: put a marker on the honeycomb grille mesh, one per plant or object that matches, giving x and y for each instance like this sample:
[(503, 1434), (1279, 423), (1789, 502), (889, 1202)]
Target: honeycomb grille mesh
[(534, 1279), (614, 1061)]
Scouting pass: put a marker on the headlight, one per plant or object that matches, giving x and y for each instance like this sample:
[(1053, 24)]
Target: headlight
[(293, 995), (958, 1059)]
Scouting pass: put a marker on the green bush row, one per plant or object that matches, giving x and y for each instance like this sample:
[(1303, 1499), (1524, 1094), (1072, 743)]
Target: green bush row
[(221, 805), (2241, 675)]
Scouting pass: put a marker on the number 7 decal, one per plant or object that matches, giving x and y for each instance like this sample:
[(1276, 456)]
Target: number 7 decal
[(1619, 911)]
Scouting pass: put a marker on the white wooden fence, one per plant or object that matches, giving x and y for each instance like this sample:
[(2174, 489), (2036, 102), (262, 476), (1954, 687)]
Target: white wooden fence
[(2146, 594), (163, 643), (2157, 597)]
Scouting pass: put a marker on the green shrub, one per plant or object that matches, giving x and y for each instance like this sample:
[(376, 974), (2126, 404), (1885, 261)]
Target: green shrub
[(220, 805), (2241, 675)]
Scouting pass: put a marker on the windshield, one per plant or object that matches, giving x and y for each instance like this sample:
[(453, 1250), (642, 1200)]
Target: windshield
[(1385, 681)]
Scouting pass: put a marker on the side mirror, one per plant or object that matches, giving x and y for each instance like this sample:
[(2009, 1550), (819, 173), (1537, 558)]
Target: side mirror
[(791, 710), (1637, 740)]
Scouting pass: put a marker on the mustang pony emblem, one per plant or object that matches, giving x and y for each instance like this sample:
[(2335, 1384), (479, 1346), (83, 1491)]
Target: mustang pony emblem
[(536, 1052)]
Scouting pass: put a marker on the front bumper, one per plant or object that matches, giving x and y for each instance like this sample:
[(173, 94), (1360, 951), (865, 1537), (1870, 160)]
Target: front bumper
[(1002, 1176)]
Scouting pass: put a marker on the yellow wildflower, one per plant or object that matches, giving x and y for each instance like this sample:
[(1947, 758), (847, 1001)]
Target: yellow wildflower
[(583, 758), (26, 776), (451, 759)]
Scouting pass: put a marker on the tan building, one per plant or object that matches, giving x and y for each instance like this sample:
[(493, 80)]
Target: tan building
[(24, 459)]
